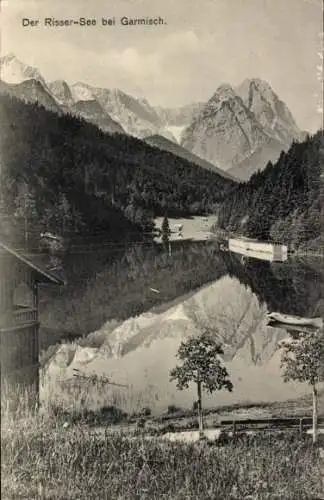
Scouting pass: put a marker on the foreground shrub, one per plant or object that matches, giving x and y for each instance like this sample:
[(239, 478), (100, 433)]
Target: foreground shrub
[(174, 409), (103, 416)]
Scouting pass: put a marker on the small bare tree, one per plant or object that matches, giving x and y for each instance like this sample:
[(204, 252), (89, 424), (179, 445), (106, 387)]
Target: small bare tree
[(303, 361), (201, 364)]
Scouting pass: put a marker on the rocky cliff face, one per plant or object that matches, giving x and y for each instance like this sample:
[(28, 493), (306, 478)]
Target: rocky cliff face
[(272, 113), (235, 125), (181, 115), (33, 91), (134, 117), (93, 112), (166, 144), (61, 91)]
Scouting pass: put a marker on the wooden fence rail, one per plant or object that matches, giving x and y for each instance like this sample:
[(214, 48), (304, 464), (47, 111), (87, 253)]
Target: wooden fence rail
[(310, 253), (301, 424)]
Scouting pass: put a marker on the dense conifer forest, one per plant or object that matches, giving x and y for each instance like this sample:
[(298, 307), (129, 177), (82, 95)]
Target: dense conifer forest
[(284, 202), (70, 176)]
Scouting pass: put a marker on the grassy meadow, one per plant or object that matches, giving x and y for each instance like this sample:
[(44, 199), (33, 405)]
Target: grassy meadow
[(60, 454), (77, 463)]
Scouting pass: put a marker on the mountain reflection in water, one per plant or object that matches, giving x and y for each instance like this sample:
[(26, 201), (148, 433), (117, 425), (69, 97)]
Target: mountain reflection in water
[(141, 350)]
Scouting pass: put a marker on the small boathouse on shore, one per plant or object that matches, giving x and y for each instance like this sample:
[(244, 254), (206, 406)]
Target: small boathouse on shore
[(258, 249)]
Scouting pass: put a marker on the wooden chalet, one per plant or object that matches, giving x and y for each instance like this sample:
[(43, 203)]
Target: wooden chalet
[(19, 320)]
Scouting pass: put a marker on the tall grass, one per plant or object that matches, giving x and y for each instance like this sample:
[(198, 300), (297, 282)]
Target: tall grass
[(76, 395), (51, 455), (39, 461)]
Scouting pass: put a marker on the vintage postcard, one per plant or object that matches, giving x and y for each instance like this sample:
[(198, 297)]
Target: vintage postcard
[(161, 249)]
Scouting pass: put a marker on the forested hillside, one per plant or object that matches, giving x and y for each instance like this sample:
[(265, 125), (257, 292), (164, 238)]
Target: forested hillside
[(67, 173), (285, 201)]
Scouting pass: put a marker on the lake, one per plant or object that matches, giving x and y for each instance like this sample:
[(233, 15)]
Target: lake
[(199, 288)]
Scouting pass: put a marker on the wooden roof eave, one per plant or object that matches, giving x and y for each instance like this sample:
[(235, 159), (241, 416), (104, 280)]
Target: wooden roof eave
[(45, 276)]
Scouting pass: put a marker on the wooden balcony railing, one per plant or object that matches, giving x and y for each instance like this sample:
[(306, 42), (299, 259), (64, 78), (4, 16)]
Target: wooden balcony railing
[(18, 317), (23, 315)]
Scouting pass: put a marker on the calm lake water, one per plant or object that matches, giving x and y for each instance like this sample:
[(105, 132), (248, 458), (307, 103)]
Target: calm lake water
[(140, 350), (293, 287)]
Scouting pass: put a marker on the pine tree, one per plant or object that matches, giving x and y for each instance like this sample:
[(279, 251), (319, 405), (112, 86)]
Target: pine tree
[(25, 203), (166, 231)]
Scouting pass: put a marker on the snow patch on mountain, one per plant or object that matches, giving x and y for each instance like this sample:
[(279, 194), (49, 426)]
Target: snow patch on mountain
[(176, 131), (14, 71), (81, 92), (239, 129)]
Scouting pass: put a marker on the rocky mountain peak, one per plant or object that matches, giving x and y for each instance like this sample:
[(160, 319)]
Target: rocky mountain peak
[(237, 125), (12, 70), (7, 58), (269, 110), (224, 100), (223, 93), (133, 115)]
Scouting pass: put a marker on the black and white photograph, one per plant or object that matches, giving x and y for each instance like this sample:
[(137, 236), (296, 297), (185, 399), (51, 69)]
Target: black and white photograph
[(162, 250)]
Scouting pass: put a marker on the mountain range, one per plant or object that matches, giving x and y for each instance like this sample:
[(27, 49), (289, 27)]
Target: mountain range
[(238, 130), (111, 109)]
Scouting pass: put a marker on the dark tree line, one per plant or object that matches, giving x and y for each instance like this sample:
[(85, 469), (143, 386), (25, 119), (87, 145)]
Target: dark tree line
[(288, 289), (285, 201), (70, 175)]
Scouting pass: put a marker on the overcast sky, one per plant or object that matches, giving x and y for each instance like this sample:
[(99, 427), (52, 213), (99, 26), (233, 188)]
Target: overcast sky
[(205, 43)]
